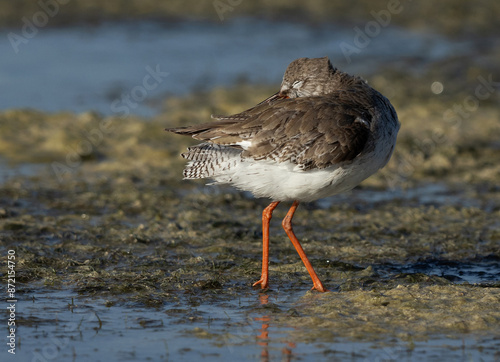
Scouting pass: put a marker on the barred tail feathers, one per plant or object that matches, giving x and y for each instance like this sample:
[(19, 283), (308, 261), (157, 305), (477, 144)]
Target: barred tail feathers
[(209, 160)]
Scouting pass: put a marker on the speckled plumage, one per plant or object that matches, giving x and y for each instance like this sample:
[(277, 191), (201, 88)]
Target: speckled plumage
[(321, 119)]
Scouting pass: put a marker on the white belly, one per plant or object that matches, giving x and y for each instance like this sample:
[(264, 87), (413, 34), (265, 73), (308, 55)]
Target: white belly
[(284, 182)]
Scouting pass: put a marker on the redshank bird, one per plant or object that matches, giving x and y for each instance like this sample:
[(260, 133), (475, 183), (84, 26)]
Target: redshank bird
[(323, 133)]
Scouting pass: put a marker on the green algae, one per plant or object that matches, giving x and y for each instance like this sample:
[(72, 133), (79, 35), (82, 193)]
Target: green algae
[(407, 312)]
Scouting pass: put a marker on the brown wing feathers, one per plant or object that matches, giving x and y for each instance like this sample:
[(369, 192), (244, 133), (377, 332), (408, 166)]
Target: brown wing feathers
[(313, 132)]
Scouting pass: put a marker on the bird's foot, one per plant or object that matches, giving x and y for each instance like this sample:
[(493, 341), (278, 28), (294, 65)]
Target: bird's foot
[(319, 287), (264, 283)]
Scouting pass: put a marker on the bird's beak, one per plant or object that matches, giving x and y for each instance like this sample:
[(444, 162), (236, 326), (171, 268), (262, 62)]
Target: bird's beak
[(275, 96)]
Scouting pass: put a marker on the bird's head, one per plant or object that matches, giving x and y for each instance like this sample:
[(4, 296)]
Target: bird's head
[(307, 77)]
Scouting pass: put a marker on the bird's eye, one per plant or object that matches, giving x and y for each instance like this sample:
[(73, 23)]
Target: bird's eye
[(297, 84)]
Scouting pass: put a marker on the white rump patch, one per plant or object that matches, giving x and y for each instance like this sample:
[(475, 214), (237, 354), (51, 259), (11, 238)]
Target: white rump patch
[(244, 144)]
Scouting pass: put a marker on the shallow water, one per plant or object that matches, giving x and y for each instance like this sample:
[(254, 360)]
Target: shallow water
[(483, 271), (10, 171), (436, 194), (88, 68), (62, 326)]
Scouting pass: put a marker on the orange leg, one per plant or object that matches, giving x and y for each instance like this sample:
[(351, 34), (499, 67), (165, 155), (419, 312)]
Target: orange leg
[(267, 214), (287, 225)]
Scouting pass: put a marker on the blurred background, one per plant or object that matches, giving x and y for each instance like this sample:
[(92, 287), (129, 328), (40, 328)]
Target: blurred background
[(118, 258), (84, 55)]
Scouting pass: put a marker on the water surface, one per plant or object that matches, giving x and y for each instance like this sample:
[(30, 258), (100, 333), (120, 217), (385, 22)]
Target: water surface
[(88, 68)]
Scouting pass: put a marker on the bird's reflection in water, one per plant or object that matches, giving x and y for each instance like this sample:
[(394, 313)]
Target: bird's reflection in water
[(263, 337)]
